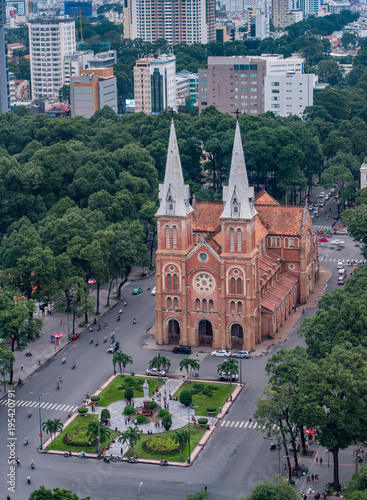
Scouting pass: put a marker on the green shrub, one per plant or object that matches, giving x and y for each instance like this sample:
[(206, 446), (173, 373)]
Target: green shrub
[(82, 410), (129, 393), (129, 410), (141, 418), (77, 437), (211, 409), (185, 398), (202, 421), (161, 445), (136, 385), (153, 405), (95, 399), (196, 388), (105, 415), (167, 422), (208, 392), (163, 413)]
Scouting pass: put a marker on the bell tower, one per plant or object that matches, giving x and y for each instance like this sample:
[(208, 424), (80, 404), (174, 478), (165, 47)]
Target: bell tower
[(174, 233)]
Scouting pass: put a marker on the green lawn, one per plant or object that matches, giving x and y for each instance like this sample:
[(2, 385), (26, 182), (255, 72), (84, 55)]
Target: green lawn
[(79, 421), (111, 393), (203, 402), (196, 433)]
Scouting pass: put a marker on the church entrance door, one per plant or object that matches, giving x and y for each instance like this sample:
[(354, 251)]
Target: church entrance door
[(205, 332), (237, 336), (173, 331)]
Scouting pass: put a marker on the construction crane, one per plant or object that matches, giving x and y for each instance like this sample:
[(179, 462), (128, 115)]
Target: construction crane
[(81, 25)]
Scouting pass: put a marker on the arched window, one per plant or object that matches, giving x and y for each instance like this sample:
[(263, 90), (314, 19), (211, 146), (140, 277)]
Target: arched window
[(169, 302), (168, 237), (239, 307), (174, 237), (175, 303), (233, 306), (233, 285), (175, 282), (169, 282), (239, 240), (239, 285), (197, 304), (211, 305), (291, 242), (231, 240), (204, 305)]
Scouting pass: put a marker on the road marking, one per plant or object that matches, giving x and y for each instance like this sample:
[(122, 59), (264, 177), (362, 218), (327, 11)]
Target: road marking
[(251, 424), (246, 424), (227, 423), (223, 424), (255, 425), (232, 424), (28, 403), (236, 424), (57, 407), (62, 407), (241, 424)]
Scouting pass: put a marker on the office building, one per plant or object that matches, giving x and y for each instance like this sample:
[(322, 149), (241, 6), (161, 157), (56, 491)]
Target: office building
[(155, 84), (290, 93), (4, 69), (235, 6), (277, 65), (259, 27), (294, 16), (92, 90), (75, 9), (312, 7), (177, 21), (103, 59), (74, 64), (280, 8), (231, 83), (193, 78), (50, 40)]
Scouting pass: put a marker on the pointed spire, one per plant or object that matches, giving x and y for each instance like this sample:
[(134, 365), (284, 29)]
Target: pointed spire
[(238, 196), (173, 194)]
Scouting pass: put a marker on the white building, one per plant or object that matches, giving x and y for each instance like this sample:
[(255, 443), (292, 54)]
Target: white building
[(363, 176), (310, 7), (50, 40), (155, 84), (289, 94), (259, 26), (277, 65), (75, 63)]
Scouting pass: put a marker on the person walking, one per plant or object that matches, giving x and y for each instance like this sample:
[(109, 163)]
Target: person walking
[(21, 366), (320, 460)]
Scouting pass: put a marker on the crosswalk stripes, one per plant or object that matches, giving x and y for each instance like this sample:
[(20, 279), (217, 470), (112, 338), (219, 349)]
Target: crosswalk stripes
[(240, 424), (44, 405)]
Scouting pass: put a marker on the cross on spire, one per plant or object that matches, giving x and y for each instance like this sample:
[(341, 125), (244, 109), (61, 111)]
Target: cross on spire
[(236, 113)]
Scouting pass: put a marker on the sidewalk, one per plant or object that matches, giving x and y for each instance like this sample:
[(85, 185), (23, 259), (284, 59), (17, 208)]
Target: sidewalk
[(43, 350)]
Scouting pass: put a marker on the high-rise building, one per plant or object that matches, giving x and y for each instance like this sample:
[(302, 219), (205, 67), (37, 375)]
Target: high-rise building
[(310, 7), (155, 84), (92, 90), (75, 9), (231, 83), (4, 70), (177, 21), (50, 40), (259, 26), (279, 10)]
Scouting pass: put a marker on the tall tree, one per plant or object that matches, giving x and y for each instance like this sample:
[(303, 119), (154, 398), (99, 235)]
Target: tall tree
[(132, 435), (121, 359)]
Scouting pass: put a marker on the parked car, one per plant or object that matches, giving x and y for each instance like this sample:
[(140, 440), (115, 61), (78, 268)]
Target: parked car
[(341, 280), (326, 197), (154, 291), (322, 194), (137, 290), (113, 347), (241, 354), (221, 353), (182, 349), (228, 376), (155, 372), (341, 231)]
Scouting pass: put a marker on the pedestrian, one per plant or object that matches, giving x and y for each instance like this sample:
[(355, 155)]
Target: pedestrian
[(121, 451), (250, 419), (312, 477), (317, 460), (320, 460), (18, 462), (165, 393), (128, 420), (167, 406), (21, 366), (61, 321), (205, 488), (125, 421)]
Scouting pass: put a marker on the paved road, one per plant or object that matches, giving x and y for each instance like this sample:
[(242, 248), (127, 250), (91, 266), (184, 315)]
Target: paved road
[(234, 460)]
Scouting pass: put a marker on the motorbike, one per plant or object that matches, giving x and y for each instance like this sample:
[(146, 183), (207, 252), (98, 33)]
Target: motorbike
[(83, 455), (272, 446), (29, 413), (19, 382), (68, 454), (105, 324), (163, 462), (58, 386), (29, 479), (33, 465), (63, 360), (134, 321), (120, 311), (73, 365), (118, 318), (104, 339), (98, 327), (132, 460), (106, 459), (91, 341), (97, 343), (28, 353), (25, 441), (125, 303)]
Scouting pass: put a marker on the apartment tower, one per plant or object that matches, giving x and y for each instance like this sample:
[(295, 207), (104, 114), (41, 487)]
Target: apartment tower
[(50, 40), (4, 70)]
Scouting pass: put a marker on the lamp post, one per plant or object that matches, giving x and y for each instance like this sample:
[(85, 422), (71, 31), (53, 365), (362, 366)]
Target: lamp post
[(39, 413), (138, 494), (188, 418)]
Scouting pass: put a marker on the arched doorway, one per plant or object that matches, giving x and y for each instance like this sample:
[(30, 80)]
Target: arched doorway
[(236, 336), (205, 332), (173, 331)]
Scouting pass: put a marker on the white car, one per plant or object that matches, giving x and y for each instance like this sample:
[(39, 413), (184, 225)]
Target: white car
[(155, 372), (228, 376), (221, 353), (340, 265), (338, 242), (241, 354), (322, 194), (154, 290), (341, 231), (326, 197)]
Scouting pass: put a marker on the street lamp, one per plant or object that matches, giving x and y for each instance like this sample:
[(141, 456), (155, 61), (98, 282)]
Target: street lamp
[(39, 413), (138, 494), (188, 418)]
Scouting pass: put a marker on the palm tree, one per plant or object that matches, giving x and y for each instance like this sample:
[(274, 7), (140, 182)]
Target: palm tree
[(230, 368), (52, 426), (131, 435), (160, 362), (121, 359), (181, 438), (96, 429), (189, 365)]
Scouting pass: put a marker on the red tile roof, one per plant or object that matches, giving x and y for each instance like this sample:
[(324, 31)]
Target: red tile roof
[(281, 220), (207, 216), (264, 198)]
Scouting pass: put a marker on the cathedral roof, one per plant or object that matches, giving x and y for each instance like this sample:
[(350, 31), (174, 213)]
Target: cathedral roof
[(173, 194), (238, 196), (281, 220), (264, 198), (206, 216)]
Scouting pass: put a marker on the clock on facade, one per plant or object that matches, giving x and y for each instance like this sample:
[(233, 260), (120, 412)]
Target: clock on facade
[(204, 283), (203, 257)]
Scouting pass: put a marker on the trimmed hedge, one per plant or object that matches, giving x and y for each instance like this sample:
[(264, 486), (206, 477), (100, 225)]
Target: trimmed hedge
[(95, 399), (141, 418), (167, 422), (129, 393), (105, 414), (211, 409), (136, 385), (77, 437), (161, 445), (186, 398), (202, 421), (129, 410), (82, 410)]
